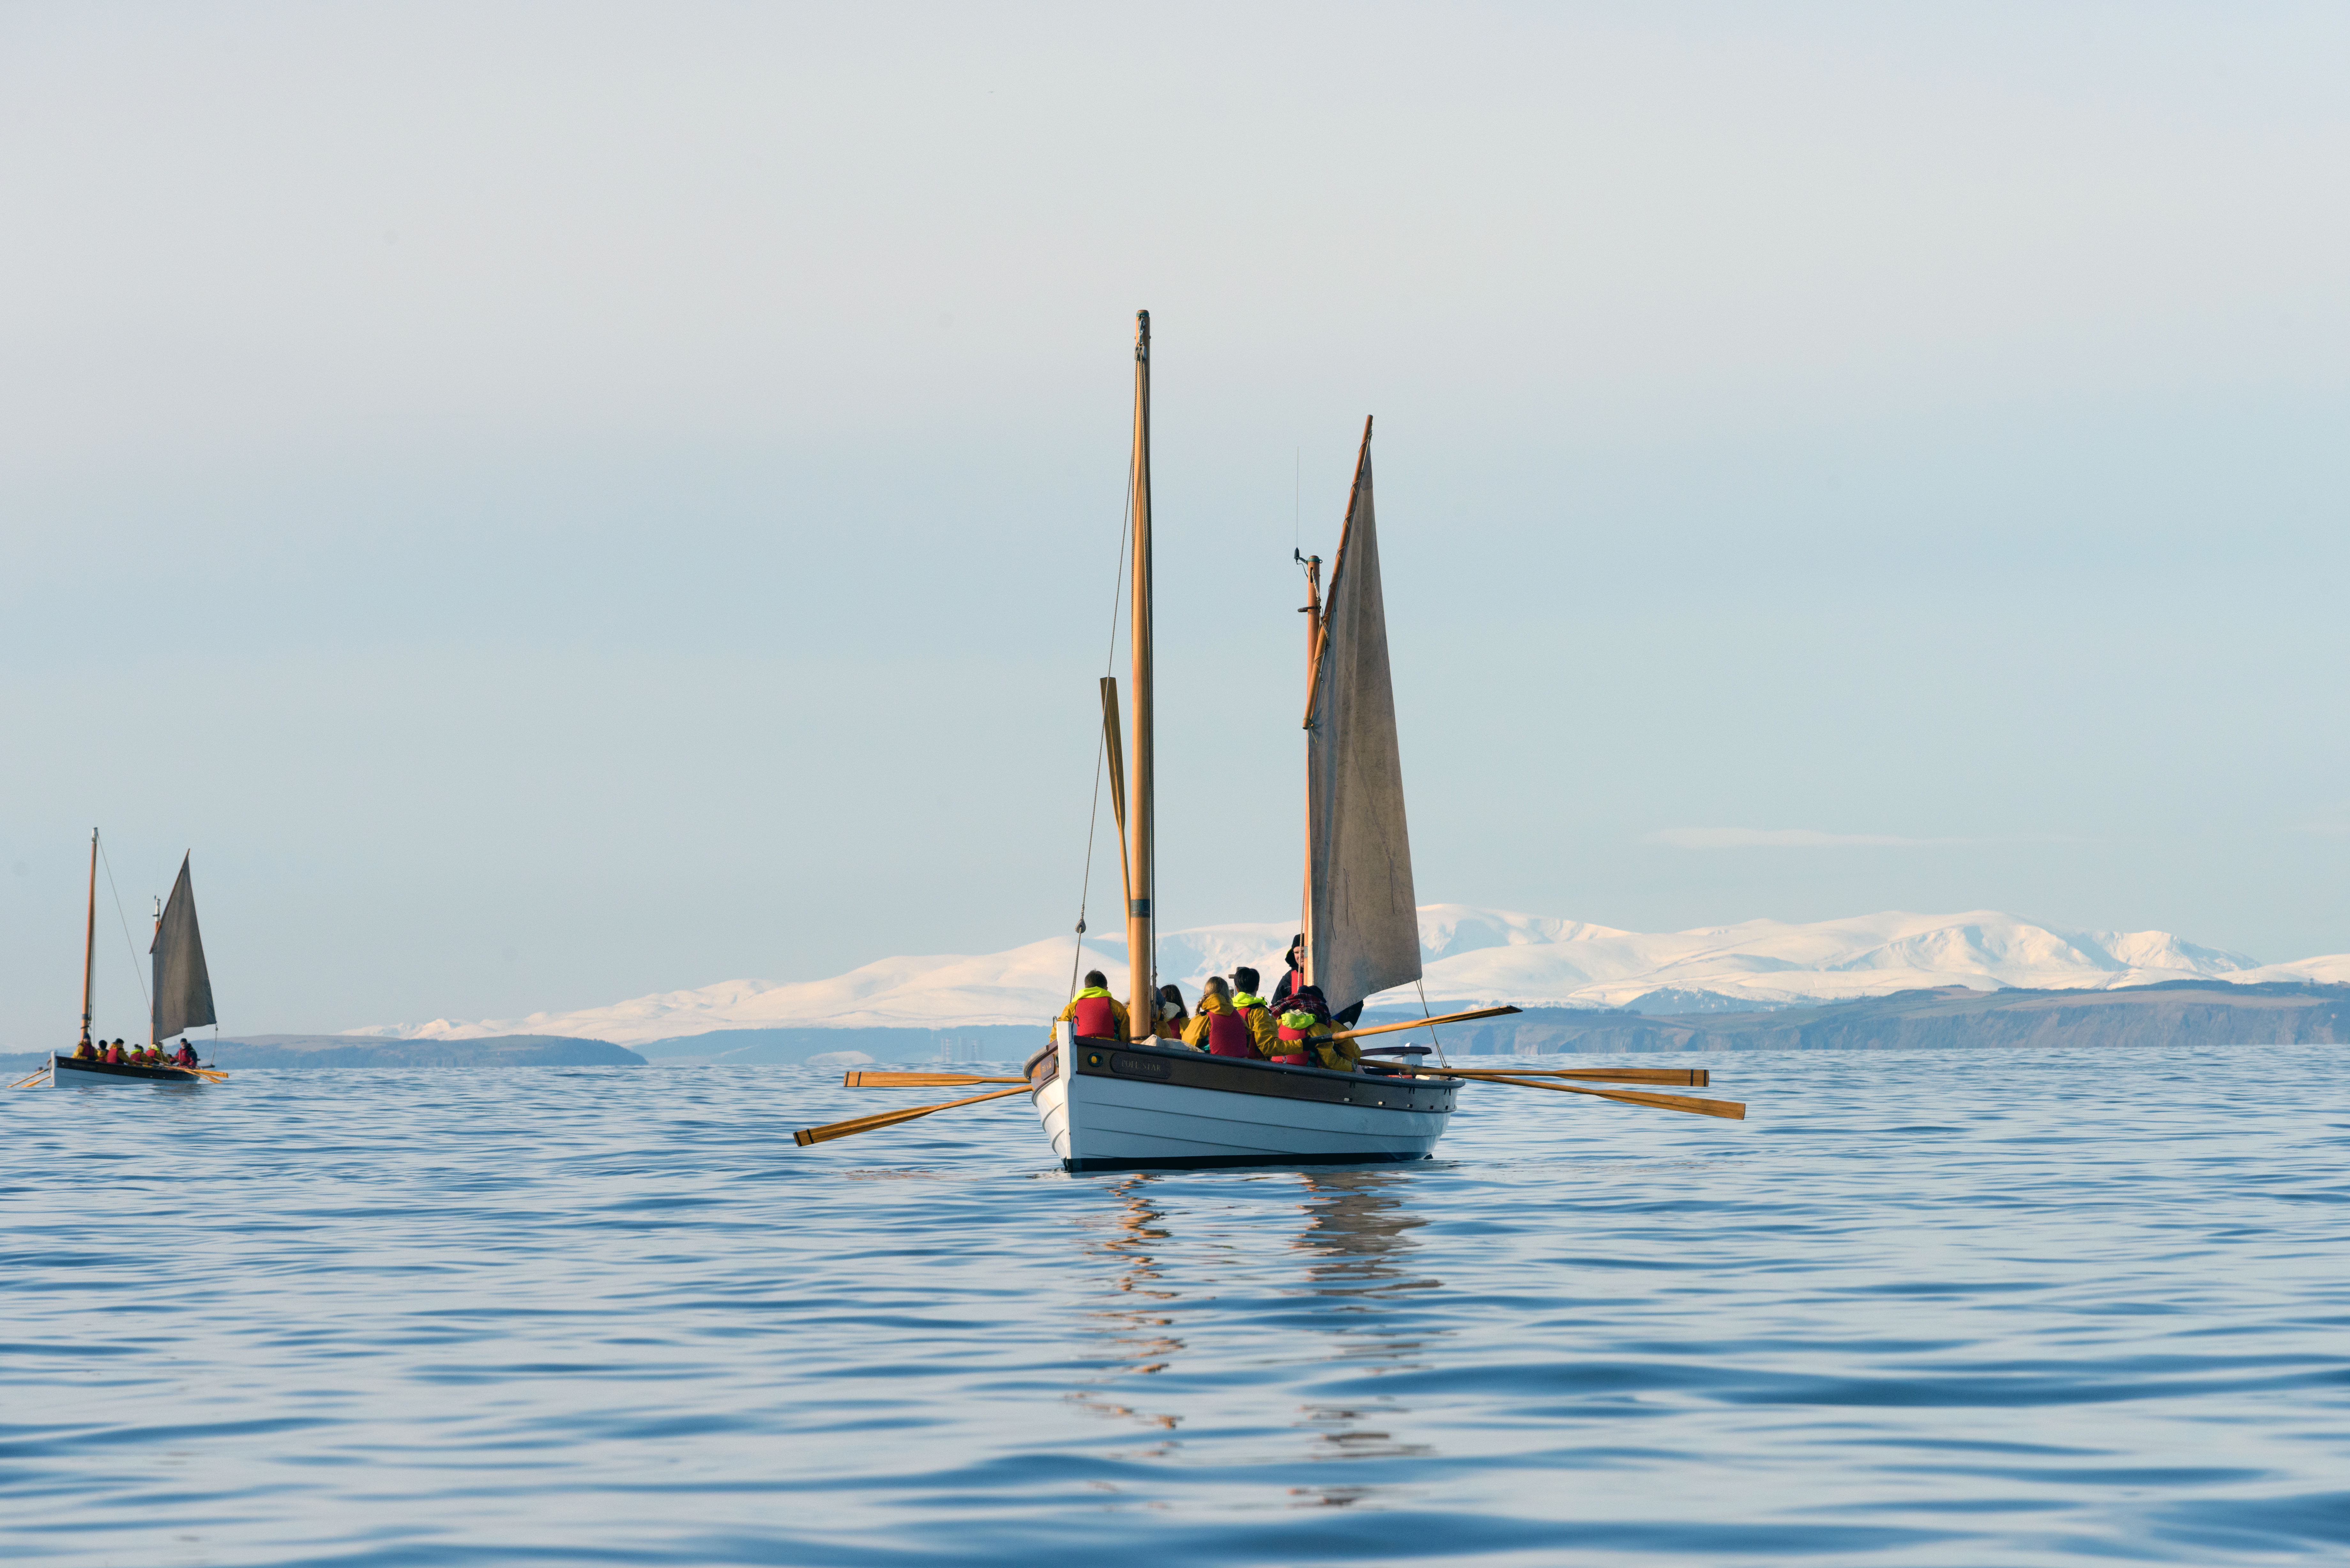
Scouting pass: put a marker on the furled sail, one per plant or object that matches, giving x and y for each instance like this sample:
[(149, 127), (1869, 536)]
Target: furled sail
[(1362, 922), (183, 987)]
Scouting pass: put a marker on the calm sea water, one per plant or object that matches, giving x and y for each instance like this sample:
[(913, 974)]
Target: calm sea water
[(1966, 1309)]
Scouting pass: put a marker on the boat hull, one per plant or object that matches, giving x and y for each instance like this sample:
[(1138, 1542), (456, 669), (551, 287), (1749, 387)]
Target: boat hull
[(82, 1070), (1145, 1108)]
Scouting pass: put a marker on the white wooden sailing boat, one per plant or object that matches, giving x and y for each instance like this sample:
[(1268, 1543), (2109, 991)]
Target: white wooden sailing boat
[(181, 1001), (1140, 1104)]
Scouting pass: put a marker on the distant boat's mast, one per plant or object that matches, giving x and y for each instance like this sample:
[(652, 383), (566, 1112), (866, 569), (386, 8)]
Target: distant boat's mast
[(1140, 952), (155, 1004), (89, 937)]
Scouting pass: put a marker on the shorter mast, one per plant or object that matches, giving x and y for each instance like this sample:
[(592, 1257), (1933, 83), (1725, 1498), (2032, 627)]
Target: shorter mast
[(89, 937), (1312, 610), (155, 1002)]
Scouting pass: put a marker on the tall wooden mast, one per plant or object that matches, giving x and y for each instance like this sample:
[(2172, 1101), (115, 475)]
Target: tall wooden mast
[(1141, 951), (89, 937)]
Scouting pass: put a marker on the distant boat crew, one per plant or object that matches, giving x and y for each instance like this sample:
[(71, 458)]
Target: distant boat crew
[(181, 996)]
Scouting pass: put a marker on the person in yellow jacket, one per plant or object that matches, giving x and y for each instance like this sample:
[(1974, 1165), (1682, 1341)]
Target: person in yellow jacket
[(1305, 1035), (1217, 1027), (1262, 1033), (1097, 1013), (1173, 1016)]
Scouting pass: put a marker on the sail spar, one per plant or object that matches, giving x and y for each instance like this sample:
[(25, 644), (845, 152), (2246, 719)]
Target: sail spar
[(1362, 925), (183, 987)]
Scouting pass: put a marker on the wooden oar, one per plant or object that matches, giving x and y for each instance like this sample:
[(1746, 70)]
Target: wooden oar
[(27, 1083), (1424, 1023), (917, 1080), (1729, 1110), (808, 1136), (1689, 1077)]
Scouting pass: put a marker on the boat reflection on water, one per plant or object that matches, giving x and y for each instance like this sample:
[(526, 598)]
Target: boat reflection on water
[(1135, 1329), (1355, 1246), (1359, 1240)]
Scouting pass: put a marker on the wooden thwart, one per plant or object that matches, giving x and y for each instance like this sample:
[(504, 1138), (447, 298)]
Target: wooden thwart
[(807, 1135), (1424, 1023), (1729, 1110)]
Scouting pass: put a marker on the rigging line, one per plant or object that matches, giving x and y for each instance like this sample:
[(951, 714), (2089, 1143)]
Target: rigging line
[(127, 945), (1421, 986), (1117, 582), (1093, 818)]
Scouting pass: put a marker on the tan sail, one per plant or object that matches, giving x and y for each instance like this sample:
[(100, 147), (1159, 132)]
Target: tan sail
[(183, 986), (1362, 920)]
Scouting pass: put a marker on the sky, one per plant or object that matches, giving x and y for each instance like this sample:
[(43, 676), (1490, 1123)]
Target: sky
[(554, 502)]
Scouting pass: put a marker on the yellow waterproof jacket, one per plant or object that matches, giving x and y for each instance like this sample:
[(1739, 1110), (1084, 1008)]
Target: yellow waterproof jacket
[(1117, 1010), (1262, 1034), (1195, 1033), (1338, 1055)]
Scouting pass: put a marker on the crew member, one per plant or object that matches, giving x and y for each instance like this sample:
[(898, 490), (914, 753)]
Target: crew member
[(114, 1054), (1097, 1013), (1306, 1030), (1218, 1028), (85, 1052), (1173, 1015), (1254, 1013), (186, 1056), (1296, 976)]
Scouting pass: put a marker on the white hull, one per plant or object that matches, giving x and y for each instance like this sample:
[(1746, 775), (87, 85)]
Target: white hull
[(1131, 1121)]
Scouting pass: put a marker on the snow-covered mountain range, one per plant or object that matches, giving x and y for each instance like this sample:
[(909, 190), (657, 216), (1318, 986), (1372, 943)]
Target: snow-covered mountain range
[(1473, 956)]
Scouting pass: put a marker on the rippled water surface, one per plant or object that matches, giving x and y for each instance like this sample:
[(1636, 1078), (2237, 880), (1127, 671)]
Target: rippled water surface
[(2021, 1308)]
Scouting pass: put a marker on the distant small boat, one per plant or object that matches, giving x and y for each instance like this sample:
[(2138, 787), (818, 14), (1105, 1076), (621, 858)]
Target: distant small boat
[(181, 999)]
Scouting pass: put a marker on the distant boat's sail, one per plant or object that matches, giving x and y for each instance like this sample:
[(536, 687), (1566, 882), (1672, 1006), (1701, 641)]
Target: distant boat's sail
[(183, 987), (1362, 920)]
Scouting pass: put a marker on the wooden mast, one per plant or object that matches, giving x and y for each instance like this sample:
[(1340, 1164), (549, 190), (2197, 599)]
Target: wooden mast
[(89, 937), (1142, 981), (1312, 610)]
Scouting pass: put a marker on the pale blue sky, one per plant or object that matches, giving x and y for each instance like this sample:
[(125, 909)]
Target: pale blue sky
[(554, 502)]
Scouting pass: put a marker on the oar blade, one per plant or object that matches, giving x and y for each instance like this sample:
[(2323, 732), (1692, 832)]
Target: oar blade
[(807, 1135), (1684, 1077), (1729, 1110), (917, 1080)]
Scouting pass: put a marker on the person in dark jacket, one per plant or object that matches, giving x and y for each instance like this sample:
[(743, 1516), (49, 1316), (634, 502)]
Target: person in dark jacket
[(1296, 975)]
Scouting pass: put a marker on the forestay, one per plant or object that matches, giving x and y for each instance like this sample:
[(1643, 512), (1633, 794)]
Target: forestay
[(1362, 920), (183, 987)]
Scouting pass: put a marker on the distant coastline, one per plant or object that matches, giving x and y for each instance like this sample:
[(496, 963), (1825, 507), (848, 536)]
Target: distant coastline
[(2185, 1012)]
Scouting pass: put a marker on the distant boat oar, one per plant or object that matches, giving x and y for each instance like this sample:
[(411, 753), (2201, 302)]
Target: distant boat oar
[(917, 1080), (807, 1135), (1424, 1023), (1729, 1110), (42, 1072)]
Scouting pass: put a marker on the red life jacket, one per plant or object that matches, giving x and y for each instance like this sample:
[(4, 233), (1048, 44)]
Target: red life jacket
[(1228, 1035), (1094, 1019)]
